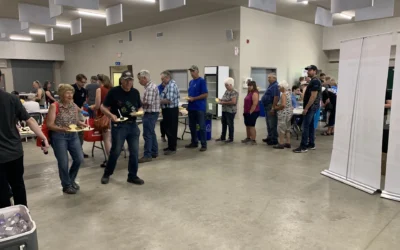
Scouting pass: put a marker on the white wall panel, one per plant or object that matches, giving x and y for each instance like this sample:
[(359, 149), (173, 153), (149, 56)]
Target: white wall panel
[(31, 51), (264, 5), (171, 4), (76, 26), (82, 4), (338, 6), (381, 9), (55, 10), (323, 17), (114, 15), (49, 36), (35, 14)]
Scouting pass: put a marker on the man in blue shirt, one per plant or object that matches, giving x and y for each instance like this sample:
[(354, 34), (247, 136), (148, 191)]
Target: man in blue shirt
[(197, 96), (162, 127), (270, 100)]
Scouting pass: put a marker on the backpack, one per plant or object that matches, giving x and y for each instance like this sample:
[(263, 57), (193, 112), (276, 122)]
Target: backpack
[(45, 130)]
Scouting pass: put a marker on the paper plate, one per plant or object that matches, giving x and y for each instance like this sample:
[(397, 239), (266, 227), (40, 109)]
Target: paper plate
[(123, 119), (87, 129), (139, 113)]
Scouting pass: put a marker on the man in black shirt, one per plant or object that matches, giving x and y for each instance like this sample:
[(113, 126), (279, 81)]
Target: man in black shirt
[(80, 96), (121, 103), (311, 104), (11, 151)]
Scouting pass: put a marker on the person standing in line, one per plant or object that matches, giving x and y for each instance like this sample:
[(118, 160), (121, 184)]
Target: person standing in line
[(80, 96), (229, 109), (122, 101), (269, 100), (101, 93), (162, 122), (91, 89), (49, 93), (170, 110), (197, 99), (284, 110), (11, 150), (39, 94), (322, 77), (151, 108), (61, 115), (251, 111), (312, 97)]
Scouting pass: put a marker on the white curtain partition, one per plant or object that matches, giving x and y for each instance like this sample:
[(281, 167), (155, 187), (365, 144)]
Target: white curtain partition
[(392, 182), (357, 144)]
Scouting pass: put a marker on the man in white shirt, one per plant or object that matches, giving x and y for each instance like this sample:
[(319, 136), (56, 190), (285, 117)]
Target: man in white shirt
[(31, 105)]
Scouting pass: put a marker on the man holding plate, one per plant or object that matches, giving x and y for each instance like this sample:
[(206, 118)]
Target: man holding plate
[(119, 104)]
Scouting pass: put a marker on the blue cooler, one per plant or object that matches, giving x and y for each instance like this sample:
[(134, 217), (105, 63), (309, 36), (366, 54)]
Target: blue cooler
[(208, 127), (262, 110)]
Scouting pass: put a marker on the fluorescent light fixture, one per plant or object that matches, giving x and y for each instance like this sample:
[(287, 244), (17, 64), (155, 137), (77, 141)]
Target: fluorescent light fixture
[(346, 16), (148, 1), (305, 2), (20, 38), (37, 32), (92, 14), (63, 25)]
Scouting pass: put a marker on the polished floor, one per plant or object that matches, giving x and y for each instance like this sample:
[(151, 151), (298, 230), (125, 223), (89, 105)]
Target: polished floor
[(230, 197)]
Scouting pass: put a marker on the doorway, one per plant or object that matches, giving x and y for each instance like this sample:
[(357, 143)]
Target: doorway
[(116, 72)]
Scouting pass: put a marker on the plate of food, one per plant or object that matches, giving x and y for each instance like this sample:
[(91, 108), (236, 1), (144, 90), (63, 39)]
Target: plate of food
[(122, 119), (74, 128), (87, 129), (138, 113), (217, 100)]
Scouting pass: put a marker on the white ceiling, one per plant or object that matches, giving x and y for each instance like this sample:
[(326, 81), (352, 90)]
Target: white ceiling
[(138, 14)]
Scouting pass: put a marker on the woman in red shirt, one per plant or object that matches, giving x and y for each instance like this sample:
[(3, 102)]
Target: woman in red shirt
[(101, 93), (251, 112)]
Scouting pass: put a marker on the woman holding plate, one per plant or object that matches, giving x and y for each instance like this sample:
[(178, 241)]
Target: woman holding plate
[(61, 118)]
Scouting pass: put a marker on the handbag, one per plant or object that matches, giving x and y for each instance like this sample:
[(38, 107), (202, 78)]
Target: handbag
[(102, 123)]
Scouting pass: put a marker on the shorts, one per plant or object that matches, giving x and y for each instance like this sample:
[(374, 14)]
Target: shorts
[(250, 119), (331, 121), (284, 123)]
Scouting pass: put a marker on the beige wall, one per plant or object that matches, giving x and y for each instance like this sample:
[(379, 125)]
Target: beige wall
[(8, 75), (278, 42), (200, 40), (31, 51)]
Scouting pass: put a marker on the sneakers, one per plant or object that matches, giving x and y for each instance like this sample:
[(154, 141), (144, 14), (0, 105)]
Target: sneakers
[(135, 180), (104, 164), (219, 139), (145, 159), (253, 142), (300, 150), (76, 186), (311, 147), (229, 141), (191, 146), (203, 149), (69, 190), (279, 146), (170, 152), (246, 140), (105, 179)]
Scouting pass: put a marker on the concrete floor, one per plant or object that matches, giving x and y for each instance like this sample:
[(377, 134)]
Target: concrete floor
[(230, 197)]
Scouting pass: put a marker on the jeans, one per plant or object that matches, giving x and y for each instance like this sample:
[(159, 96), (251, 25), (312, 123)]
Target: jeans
[(308, 136), (121, 132), (149, 134), (63, 143), (272, 124), (170, 119), (12, 174), (198, 118), (227, 120)]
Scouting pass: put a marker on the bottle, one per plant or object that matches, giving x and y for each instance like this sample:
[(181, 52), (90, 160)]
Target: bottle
[(12, 221), (11, 231), (44, 150), (23, 226)]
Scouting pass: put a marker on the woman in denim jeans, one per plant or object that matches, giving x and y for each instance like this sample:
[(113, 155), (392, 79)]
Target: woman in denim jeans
[(61, 115)]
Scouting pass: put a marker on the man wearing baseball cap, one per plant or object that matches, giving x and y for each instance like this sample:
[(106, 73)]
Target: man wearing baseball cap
[(197, 98), (311, 103), (118, 105)]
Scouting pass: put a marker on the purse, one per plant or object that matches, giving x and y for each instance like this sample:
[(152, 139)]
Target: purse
[(102, 123)]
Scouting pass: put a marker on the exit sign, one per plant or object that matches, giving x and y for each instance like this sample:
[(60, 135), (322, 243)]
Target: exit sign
[(117, 63)]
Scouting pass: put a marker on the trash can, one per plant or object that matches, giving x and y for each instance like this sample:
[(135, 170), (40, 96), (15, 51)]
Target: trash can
[(27, 240), (208, 127)]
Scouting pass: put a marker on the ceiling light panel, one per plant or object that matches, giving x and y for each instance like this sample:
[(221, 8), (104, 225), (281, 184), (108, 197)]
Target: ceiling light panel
[(64, 25), (114, 15), (81, 4), (20, 38), (35, 14), (37, 32), (264, 5), (92, 14)]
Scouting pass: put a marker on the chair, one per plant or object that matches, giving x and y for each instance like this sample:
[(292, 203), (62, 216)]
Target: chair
[(38, 117)]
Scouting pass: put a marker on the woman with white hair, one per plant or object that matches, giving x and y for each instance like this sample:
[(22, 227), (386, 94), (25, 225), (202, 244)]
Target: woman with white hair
[(285, 112), (229, 109)]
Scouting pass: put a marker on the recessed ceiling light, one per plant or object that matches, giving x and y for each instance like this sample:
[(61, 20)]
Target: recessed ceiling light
[(304, 2), (63, 25), (345, 16), (20, 38), (92, 14), (37, 32), (149, 1)]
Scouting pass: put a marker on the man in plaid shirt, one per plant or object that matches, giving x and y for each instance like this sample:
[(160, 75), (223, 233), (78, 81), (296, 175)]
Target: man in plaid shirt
[(151, 108), (170, 111)]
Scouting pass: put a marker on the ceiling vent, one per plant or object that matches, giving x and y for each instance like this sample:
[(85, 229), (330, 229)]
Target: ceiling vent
[(160, 34), (120, 41)]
